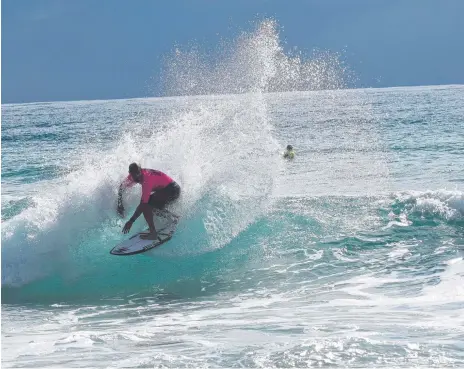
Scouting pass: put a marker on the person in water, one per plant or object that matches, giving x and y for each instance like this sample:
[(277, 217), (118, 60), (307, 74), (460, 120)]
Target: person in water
[(289, 154), (158, 190)]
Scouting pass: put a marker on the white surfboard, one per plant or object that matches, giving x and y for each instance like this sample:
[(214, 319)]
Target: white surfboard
[(165, 224)]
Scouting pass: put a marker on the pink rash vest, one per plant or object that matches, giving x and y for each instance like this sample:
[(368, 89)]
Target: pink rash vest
[(152, 180)]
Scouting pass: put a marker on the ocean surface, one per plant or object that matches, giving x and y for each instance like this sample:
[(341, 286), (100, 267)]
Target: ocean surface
[(349, 256)]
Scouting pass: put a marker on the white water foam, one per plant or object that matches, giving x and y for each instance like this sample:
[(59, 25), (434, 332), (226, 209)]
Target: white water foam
[(443, 203)]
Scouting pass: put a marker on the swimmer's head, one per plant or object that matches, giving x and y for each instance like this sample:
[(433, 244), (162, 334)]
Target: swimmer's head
[(289, 147)]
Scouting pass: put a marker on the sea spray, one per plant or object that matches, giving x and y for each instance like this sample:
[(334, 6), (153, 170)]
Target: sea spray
[(254, 62)]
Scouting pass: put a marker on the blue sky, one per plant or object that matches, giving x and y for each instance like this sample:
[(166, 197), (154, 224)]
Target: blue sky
[(102, 49)]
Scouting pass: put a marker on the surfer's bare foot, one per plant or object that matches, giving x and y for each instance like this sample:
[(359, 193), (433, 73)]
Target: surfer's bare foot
[(149, 236)]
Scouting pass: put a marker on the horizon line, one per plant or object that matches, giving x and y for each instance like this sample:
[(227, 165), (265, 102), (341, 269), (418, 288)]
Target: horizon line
[(226, 94)]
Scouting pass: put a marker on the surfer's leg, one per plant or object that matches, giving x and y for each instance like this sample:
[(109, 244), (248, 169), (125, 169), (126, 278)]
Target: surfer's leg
[(148, 214), (165, 196), (158, 201), (172, 194), (155, 204)]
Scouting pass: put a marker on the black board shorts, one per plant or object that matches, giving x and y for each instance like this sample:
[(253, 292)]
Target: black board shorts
[(162, 197)]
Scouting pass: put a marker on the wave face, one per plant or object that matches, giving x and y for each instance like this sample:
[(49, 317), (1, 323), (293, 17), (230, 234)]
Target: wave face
[(348, 256)]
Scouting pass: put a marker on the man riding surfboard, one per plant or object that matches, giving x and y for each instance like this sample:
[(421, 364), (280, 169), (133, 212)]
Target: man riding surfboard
[(158, 190)]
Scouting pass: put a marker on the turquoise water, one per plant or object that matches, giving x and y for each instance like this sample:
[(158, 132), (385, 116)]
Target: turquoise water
[(351, 255)]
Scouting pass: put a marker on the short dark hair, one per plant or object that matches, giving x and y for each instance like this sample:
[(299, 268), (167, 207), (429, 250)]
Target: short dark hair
[(134, 167)]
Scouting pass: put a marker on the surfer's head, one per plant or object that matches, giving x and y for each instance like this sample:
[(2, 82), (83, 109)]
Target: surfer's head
[(136, 172), (289, 147)]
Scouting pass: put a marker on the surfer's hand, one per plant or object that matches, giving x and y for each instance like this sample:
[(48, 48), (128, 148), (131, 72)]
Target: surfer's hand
[(121, 211), (127, 227)]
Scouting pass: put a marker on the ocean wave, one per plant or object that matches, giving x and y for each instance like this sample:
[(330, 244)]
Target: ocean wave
[(416, 205)]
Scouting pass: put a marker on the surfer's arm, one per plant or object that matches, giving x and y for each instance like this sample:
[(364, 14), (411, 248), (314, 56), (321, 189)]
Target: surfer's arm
[(140, 209), (134, 217), (120, 192), (122, 187), (143, 207), (137, 213)]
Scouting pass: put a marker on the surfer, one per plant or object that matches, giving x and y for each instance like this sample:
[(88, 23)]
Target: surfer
[(289, 154), (158, 190)]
